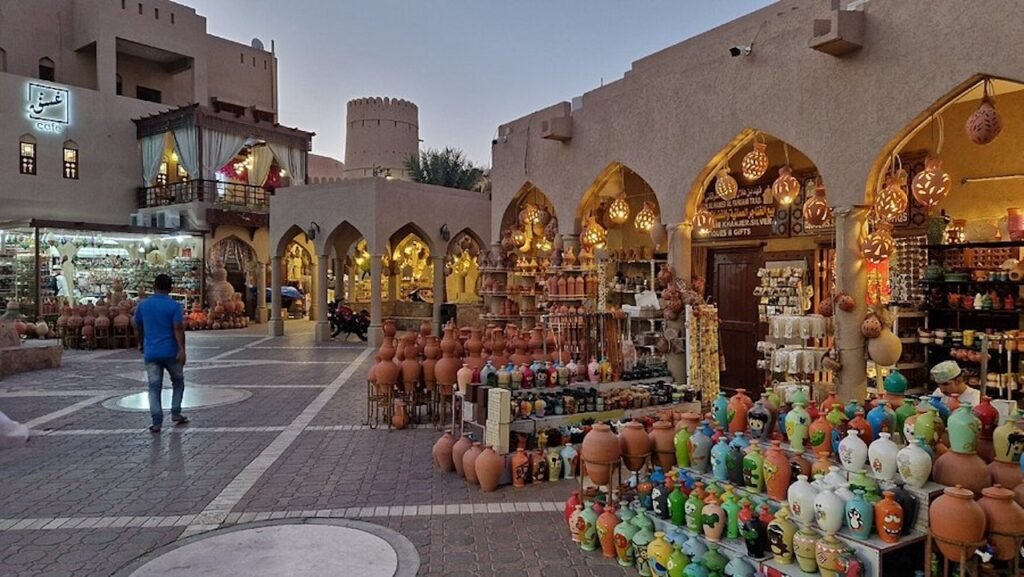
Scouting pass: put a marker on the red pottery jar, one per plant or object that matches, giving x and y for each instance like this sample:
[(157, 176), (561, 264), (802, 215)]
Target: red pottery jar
[(469, 463), (459, 450), (968, 471), (777, 472), (662, 438)]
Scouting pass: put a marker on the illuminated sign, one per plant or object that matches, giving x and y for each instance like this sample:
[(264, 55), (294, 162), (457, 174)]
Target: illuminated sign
[(48, 107)]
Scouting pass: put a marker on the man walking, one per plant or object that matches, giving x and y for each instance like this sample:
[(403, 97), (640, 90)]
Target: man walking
[(161, 327)]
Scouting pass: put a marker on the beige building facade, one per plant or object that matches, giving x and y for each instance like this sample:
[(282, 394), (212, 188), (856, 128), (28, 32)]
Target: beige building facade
[(381, 134)]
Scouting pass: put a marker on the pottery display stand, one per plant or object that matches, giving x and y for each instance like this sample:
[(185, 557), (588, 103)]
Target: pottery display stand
[(104, 339), (378, 406), (72, 338), (1013, 566), (443, 403), (616, 472), (968, 565)]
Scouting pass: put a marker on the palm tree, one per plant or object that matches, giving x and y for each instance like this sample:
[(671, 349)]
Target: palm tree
[(448, 167)]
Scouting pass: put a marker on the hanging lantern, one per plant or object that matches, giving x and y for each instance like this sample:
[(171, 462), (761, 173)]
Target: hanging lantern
[(519, 237), (985, 124), (594, 234), (817, 212), (529, 214), (891, 201), (646, 218), (932, 184), (543, 244), (725, 185), (786, 187), (878, 245), (618, 212), (703, 221), (755, 163), (551, 229), (543, 216)]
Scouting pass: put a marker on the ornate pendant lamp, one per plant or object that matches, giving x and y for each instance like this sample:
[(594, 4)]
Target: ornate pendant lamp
[(985, 124), (786, 187), (879, 245), (519, 236), (932, 184), (618, 212), (817, 212), (703, 221), (593, 235), (891, 201), (755, 163), (646, 218), (725, 184)]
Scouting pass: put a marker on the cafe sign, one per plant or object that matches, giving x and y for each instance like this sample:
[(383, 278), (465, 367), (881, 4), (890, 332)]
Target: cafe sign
[(48, 107)]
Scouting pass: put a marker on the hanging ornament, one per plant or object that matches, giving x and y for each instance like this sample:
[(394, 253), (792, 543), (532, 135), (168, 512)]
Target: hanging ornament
[(891, 201), (703, 221), (985, 124), (755, 163), (618, 212), (543, 244), (646, 218), (519, 237), (529, 214), (879, 245), (551, 229), (932, 184), (786, 187), (817, 212), (593, 235), (725, 185), (543, 216)]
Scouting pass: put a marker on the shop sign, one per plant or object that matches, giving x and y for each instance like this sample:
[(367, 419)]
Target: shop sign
[(48, 107), (752, 213)]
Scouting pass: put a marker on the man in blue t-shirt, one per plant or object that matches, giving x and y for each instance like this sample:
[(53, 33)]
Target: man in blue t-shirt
[(161, 327)]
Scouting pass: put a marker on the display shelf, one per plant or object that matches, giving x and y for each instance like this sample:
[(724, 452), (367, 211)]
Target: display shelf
[(994, 312), (790, 570), (601, 387), (608, 415), (911, 365), (911, 314), (568, 298), (963, 245), (976, 282), (725, 544)]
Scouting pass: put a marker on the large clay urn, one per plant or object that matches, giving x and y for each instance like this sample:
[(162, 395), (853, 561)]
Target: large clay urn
[(1018, 494), (550, 346), (498, 357), (447, 366), (387, 371), (600, 453), (957, 518), (522, 344), (1005, 474), (489, 468), (967, 470), (443, 452), (469, 463), (459, 450), (662, 444), (1005, 520), (431, 354), (411, 370), (473, 347), (635, 445)]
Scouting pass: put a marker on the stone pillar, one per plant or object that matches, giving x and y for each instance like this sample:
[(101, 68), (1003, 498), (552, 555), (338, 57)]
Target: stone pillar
[(393, 280), (323, 326), (376, 322), (261, 292), (352, 272), (439, 297), (312, 300), (851, 277), (276, 328), (680, 249), (106, 65)]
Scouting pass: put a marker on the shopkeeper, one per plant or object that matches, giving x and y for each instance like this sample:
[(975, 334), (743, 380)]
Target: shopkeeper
[(950, 379)]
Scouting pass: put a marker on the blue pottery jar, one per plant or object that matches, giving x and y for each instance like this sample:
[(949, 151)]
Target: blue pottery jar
[(719, 409), (860, 516), (735, 466), (740, 441), (851, 409), (936, 401), (882, 419), (720, 460)]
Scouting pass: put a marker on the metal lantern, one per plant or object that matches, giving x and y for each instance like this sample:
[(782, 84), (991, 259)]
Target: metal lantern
[(519, 237), (703, 221), (646, 218), (817, 212), (618, 212), (530, 214), (755, 163), (891, 201), (593, 234), (932, 184), (878, 245), (725, 185), (786, 187)]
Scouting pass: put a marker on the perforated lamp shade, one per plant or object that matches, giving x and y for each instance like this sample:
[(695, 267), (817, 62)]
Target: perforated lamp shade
[(891, 201), (817, 212), (618, 212), (519, 236), (725, 185), (530, 214), (755, 163), (786, 187), (703, 221), (593, 234), (932, 184), (646, 218), (878, 245)]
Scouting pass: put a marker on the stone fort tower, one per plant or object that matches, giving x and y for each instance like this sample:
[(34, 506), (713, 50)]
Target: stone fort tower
[(382, 133)]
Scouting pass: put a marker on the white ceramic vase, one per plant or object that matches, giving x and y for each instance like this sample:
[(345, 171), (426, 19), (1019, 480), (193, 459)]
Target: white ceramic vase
[(829, 511), (914, 464), (801, 500), (882, 457), (464, 377), (853, 452)]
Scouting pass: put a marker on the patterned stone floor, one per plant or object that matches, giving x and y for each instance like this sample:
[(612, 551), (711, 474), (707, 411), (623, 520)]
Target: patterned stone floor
[(93, 490)]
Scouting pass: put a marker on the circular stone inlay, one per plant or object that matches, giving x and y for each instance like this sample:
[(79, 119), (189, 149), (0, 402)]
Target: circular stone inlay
[(194, 398), (303, 550)]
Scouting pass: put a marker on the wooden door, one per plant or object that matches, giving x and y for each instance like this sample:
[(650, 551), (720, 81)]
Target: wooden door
[(732, 278)]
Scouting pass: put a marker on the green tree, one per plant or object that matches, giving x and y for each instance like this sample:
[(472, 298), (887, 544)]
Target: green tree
[(448, 167)]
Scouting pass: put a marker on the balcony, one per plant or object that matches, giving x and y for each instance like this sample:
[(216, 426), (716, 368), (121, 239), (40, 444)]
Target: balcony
[(228, 195)]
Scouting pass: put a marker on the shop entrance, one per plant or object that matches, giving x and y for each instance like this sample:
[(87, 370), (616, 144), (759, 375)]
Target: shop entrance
[(733, 277)]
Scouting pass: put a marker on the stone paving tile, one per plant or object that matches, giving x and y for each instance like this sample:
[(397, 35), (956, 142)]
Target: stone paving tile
[(73, 553), (24, 409)]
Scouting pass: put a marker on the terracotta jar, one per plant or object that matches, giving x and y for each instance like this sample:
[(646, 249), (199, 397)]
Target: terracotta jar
[(600, 453), (431, 354), (498, 348), (459, 450), (411, 369), (967, 470), (861, 425), (473, 348), (713, 518), (804, 542), (888, 518), (956, 517), (537, 345), (819, 436), (777, 473), (739, 405), (635, 445), (448, 365), (1005, 519), (780, 536), (662, 437), (489, 467), (387, 371), (443, 452), (1006, 474), (1018, 494), (400, 417), (469, 463), (828, 551)]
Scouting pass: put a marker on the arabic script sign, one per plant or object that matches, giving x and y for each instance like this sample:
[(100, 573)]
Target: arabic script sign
[(48, 107)]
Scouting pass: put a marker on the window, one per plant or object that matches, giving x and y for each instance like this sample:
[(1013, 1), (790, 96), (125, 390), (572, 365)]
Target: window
[(47, 70), (119, 86), (3, 60), (147, 94), (71, 160), (161, 176), (27, 154), (156, 13), (172, 17), (242, 57), (124, 4), (140, 8)]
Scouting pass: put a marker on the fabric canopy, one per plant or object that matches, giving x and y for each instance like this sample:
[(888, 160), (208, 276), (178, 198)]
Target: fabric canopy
[(262, 158), (186, 142), (218, 149), (152, 155)]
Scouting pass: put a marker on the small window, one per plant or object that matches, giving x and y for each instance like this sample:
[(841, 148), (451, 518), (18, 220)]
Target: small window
[(47, 70), (140, 8), (254, 62), (156, 13), (172, 17), (119, 86), (70, 160), (3, 60), (264, 64), (27, 155), (242, 57), (148, 94), (124, 4), (161, 177)]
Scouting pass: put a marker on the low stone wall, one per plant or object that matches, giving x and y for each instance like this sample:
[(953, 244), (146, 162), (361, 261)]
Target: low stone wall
[(31, 356)]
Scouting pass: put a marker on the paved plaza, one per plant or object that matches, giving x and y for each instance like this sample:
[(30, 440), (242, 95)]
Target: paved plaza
[(282, 457)]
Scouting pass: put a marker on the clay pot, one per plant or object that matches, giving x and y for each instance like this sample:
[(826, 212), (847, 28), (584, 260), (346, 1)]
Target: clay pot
[(473, 347), (871, 327), (635, 445), (489, 467), (447, 366), (889, 518), (1018, 494), (387, 371), (956, 517), (1005, 474), (885, 350), (777, 473), (411, 370), (521, 469), (825, 307), (600, 453), (459, 450), (737, 412), (431, 354), (967, 470), (606, 523), (400, 418), (984, 124), (845, 302), (443, 452), (1004, 517), (469, 463), (662, 444)]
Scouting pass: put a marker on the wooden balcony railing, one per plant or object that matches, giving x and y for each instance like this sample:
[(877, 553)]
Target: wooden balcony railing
[(213, 191)]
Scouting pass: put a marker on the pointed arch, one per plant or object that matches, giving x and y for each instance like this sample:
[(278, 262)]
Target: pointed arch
[(342, 236), (528, 192), (617, 180), (407, 229), (460, 238), (47, 69), (285, 239), (233, 250)]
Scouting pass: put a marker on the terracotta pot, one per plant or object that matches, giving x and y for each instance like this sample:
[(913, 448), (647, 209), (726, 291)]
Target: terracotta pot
[(662, 444), (600, 453), (737, 412), (448, 365), (459, 450), (635, 445), (956, 517), (443, 452), (389, 328), (1005, 474), (473, 347), (489, 467), (411, 369), (871, 328), (962, 469), (400, 418), (889, 518), (1004, 517), (819, 436), (387, 371), (777, 473), (469, 463), (1018, 494), (537, 345)]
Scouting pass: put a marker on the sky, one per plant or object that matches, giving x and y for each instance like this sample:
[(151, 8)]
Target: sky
[(469, 65)]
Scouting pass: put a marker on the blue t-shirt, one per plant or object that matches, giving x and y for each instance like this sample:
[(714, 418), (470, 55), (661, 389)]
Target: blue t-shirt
[(157, 315)]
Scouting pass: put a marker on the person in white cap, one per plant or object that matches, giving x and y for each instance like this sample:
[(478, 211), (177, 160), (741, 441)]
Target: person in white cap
[(950, 379)]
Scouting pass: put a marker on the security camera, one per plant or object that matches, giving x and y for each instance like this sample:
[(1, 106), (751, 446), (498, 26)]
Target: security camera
[(740, 51)]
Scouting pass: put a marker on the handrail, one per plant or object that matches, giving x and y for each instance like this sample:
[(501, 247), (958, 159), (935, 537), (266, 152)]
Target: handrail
[(213, 191)]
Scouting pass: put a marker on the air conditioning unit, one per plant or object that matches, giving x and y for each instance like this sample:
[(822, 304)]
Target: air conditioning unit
[(557, 128), (141, 219), (168, 219)]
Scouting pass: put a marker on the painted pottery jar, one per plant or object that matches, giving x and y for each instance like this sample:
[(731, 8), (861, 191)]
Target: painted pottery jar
[(739, 405), (713, 519), (720, 460), (804, 542), (555, 464), (860, 516), (956, 518), (695, 548), (490, 467), (801, 496), (576, 524), (677, 561), (968, 470), (908, 502), (570, 503), (658, 552), (889, 519), (662, 444), (777, 473), (963, 428), (734, 463), (853, 452), (753, 470), (755, 537), (588, 532), (641, 539), (860, 424), (714, 561), (799, 465), (1008, 440), (570, 460), (606, 523), (442, 452), (693, 508), (988, 416), (634, 444), (538, 466), (1005, 519), (459, 450), (720, 409), (819, 435), (780, 536), (732, 514), (677, 506), (695, 569), (463, 376), (914, 464), (882, 457), (829, 510), (820, 466), (882, 419), (700, 452), (600, 453), (798, 422), (739, 567), (622, 536), (828, 550), (681, 442)]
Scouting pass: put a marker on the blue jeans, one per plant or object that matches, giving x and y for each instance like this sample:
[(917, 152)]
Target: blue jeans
[(155, 375)]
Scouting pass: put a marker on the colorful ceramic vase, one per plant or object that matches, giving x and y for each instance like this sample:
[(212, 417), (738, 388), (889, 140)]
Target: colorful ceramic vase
[(576, 524), (1008, 440), (798, 422), (882, 457), (693, 508), (720, 460), (755, 537), (713, 518), (622, 536), (720, 409), (819, 435), (760, 421), (861, 425), (682, 447), (677, 561), (914, 464), (828, 550), (700, 451), (753, 470), (777, 473), (570, 460), (658, 552), (677, 506), (732, 512), (853, 452), (804, 542), (882, 419), (737, 411), (714, 561), (908, 502), (606, 523), (963, 428), (860, 516), (801, 496), (780, 536), (641, 539), (888, 518), (829, 510)]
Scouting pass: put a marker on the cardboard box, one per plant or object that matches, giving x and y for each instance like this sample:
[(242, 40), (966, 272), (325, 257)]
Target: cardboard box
[(499, 406)]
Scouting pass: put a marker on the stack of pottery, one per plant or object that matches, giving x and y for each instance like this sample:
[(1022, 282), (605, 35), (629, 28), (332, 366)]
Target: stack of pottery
[(960, 465)]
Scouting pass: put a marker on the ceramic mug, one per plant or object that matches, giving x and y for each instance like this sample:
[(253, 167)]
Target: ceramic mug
[(969, 338)]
